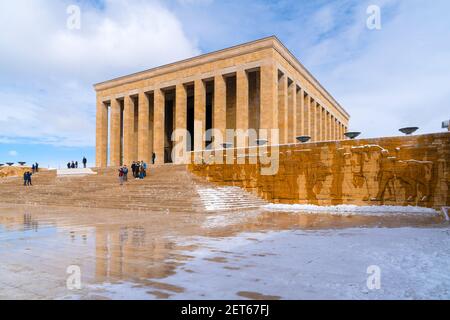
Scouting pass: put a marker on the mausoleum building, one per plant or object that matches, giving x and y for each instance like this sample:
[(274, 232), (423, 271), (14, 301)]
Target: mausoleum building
[(258, 85)]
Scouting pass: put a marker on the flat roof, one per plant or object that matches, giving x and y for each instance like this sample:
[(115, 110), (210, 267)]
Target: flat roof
[(264, 42)]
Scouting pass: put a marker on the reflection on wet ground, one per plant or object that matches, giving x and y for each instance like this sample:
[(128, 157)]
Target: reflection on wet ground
[(136, 252)]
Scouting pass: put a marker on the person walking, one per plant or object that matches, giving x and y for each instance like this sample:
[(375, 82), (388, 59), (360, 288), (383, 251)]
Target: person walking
[(76, 164), (121, 176), (36, 166), (145, 168), (33, 168), (25, 178), (153, 157), (84, 162), (68, 165), (141, 172), (29, 179), (138, 170), (72, 165), (125, 173), (133, 169)]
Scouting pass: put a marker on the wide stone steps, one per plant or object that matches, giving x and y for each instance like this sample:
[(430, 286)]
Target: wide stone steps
[(228, 198), (167, 188)]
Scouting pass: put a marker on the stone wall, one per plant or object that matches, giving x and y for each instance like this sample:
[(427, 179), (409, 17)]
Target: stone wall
[(13, 171), (408, 170)]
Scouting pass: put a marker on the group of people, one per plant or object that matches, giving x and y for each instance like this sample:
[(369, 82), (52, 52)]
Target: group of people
[(74, 164), (138, 168), (27, 178), (27, 174), (35, 167)]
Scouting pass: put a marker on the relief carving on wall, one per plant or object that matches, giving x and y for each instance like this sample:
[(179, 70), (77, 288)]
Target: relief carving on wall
[(315, 172), (374, 164)]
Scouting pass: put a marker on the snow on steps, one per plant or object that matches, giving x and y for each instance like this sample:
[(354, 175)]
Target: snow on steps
[(228, 198), (75, 172)]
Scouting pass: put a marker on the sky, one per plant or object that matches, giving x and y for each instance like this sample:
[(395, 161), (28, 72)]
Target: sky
[(390, 77)]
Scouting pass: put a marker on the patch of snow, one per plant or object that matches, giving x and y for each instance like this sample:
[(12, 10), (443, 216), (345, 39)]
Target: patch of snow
[(320, 264), (75, 172), (348, 210), (227, 198), (228, 218), (445, 212)]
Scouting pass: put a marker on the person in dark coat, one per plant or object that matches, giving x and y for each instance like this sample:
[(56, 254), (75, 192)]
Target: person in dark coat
[(84, 162), (153, 157), (125, 173), (29, 178), (121, 176), (76, 164), (68, 165), (137, 168), (133, 169), (36, 166), (33, 168), (25, 178)]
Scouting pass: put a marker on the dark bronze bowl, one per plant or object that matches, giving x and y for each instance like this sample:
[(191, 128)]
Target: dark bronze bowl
[(352, 135), (303, 139), (408, 130)]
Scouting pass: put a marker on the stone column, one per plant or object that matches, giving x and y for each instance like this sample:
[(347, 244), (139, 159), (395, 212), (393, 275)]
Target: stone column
[(219, 109), (128, 131), (321, 123), (282, 108), (269, 101), (115, 138), (329, 126), (180, 123), (158, 126), (336, 124), (307, 115), (332, 130), (292, 113), (199, 115), (339, 128), (242, 107), (314, 121), (143, 136), (300, 114), (101, 134)]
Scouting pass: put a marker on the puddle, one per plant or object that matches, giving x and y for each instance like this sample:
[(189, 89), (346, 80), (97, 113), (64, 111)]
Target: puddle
[(148, 255)]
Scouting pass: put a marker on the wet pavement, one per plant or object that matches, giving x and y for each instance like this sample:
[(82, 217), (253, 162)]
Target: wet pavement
[(224, 255)]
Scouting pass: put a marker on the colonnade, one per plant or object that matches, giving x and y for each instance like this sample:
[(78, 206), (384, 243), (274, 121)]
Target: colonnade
[(138, 124)]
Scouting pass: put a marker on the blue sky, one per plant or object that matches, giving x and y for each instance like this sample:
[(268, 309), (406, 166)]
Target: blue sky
[(388, 78)]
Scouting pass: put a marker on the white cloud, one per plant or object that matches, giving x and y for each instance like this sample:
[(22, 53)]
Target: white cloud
[(12, 153), (397, 76), (386, 79), (195, 2), (48, 70)]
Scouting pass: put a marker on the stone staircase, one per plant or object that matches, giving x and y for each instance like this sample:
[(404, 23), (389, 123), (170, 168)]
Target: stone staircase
[(227, 198), (167, 188)]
